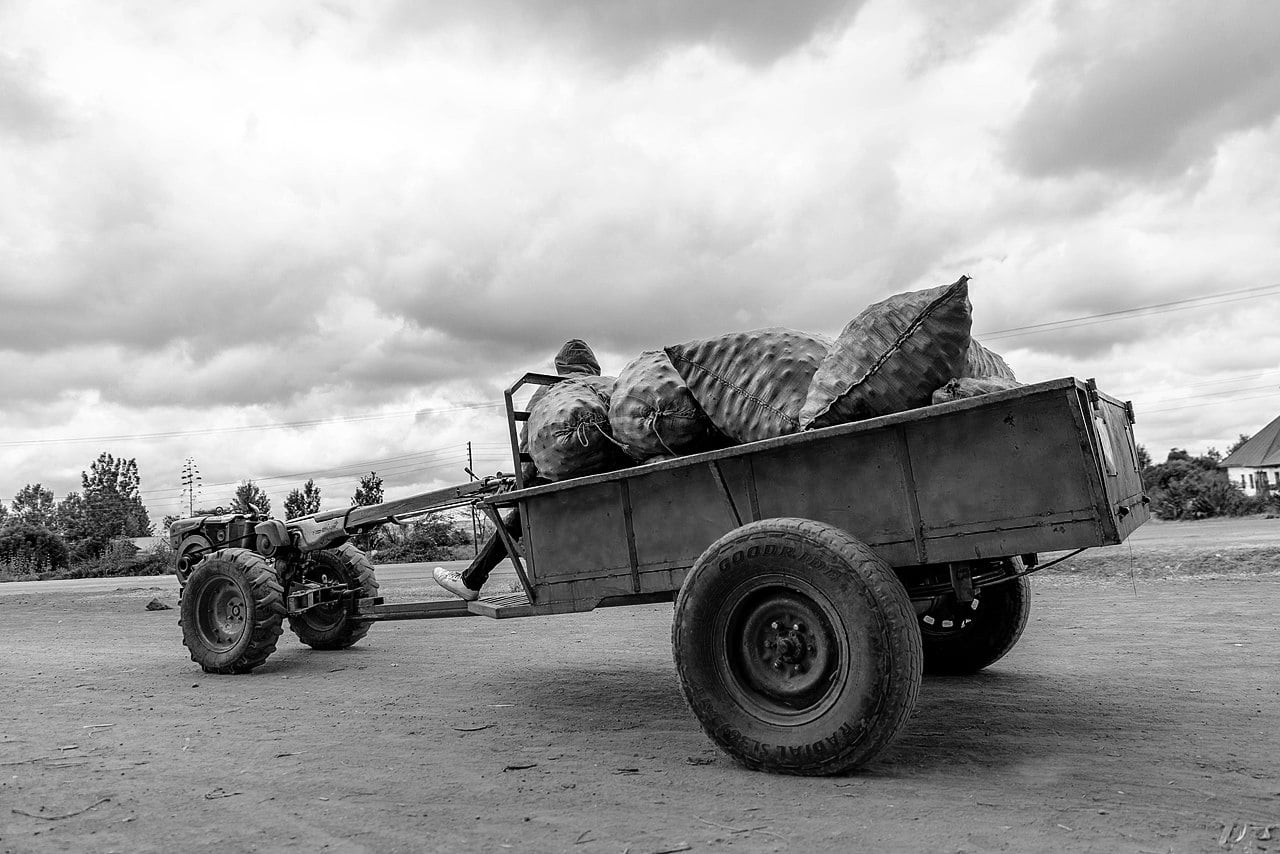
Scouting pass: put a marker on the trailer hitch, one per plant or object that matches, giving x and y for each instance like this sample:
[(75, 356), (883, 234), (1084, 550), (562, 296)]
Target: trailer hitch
[(309, 596)]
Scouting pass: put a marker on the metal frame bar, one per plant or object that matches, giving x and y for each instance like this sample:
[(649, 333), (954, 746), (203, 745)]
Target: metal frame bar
[(716, 473), (513, 549), (514, 415)]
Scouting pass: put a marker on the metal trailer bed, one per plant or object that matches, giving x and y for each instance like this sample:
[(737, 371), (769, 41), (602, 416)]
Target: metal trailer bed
[(1041, 468), (815, 576)]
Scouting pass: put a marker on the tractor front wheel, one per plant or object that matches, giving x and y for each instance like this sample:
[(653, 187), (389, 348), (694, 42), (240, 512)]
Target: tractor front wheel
[(231, 611)]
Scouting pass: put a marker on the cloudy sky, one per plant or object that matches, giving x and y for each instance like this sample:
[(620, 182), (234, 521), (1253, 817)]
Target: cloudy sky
[(317, 239)]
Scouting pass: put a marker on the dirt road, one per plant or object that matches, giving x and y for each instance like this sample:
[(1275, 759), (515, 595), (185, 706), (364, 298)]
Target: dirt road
[(1120, 723)]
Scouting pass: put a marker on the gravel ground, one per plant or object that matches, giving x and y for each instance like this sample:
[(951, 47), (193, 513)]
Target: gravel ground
[(1135, 715)]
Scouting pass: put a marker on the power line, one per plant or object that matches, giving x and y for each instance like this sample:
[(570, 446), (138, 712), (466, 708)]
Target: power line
[(1141, 412), (1145, 310)]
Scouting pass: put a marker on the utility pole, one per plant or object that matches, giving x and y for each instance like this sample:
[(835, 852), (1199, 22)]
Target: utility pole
[(475, 532), (190, 483)]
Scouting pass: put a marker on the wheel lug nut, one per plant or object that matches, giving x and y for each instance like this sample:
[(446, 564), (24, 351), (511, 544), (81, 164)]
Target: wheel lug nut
[(775, 625)]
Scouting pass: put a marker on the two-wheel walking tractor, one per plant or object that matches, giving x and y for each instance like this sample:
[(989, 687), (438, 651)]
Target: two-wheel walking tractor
[(815, 576)]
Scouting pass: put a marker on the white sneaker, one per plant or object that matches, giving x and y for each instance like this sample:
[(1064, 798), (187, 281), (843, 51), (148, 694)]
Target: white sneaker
[(451, 580)]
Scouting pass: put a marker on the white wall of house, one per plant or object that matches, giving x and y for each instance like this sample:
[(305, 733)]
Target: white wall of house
[(1250, 479)]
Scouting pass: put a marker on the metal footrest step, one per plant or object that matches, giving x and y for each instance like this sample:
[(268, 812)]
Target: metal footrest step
[(515, 605)]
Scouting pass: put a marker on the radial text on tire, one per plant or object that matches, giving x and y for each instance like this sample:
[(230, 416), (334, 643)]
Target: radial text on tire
[(330, 626), (796, 647), (961, 640), (231, 611)]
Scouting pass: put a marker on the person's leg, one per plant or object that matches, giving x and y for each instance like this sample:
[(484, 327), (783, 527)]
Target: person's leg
[(468, 582)]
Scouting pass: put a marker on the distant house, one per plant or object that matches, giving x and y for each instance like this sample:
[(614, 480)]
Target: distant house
[(1255, 465)]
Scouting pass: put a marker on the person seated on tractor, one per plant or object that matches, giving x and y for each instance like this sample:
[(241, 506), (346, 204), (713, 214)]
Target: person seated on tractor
[(574, 359)]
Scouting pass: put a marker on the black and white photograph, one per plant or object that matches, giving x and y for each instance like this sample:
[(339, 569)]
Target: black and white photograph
[(640, 426)]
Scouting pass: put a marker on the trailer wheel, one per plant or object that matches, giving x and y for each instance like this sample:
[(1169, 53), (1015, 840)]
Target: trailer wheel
[(191, 552), (960, 640), (330, 626), (797, 647), (231, 610)]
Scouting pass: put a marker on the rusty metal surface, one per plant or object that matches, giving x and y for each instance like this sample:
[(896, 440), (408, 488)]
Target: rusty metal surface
[(1014, 472)]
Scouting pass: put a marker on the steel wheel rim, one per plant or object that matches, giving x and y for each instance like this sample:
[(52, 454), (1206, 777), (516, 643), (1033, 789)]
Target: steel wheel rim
[(328, 616), (222, 613), (778, 652), (946, 617)]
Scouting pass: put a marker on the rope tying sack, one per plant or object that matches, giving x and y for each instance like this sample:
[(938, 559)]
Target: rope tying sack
[(567, 426), (651, 412)]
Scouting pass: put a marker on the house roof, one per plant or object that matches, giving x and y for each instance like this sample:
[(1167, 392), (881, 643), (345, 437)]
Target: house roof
[(1262, 450)]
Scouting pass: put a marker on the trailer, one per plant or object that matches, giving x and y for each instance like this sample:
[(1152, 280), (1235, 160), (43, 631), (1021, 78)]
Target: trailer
[(815, 577)]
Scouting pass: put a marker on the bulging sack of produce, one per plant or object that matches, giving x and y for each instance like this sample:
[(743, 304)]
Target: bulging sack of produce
[(981, 362), (575, 359), (569, 429), (751, 384), (653, 413), (892, 356), (962, 387)]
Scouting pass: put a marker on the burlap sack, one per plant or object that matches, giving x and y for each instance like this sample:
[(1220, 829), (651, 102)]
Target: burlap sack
[(569, 432), (892, 356), (751, 384), (981, 362), (962, 387), (575, 358), (653, 413)]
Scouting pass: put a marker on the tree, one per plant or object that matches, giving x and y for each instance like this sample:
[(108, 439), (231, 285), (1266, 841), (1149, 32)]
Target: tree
[(302, 502), (70, 520), (369, 491), (112, 504), (1144, 459), (251, 499), (1244, 437), (35, 504)]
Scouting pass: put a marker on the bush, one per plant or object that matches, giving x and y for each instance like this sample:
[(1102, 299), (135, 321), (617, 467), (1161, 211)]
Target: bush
[(1187, 487), (29, 549), (433, 538), (122, 558)]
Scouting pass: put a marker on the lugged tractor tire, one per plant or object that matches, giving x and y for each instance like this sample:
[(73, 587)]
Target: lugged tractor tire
[(231, 611), (961, 640), (330, 626), (797, 647)]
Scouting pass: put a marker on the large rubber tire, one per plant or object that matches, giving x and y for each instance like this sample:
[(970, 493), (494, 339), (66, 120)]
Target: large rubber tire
[(331, 626), (796, 647), (231, 611), (963, 640)]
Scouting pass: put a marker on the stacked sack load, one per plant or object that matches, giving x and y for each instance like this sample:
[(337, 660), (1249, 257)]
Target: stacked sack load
[(906, 351)]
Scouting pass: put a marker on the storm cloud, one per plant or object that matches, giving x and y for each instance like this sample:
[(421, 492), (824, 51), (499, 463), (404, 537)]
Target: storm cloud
[(1148, 90), (377, 216)]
